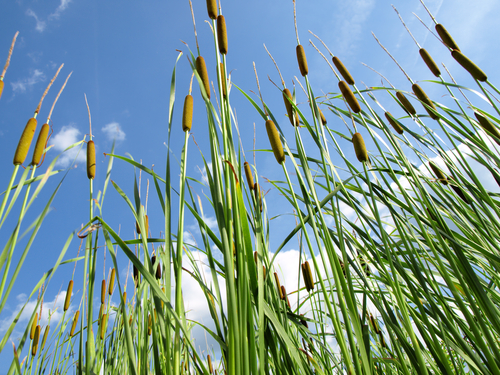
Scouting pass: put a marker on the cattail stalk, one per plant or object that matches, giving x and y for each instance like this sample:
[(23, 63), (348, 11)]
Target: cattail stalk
[(7, 63)]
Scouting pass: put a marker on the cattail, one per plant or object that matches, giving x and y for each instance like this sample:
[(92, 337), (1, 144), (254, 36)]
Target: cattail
[(158, 268), (104, 320), (258, 195), (429, 62), (248, 174), (382, 340), (446, 37), (406, 103), (111, 282), (33, 326), (69, 291), (125, 297), (34, 348), (103, 291), (288, 105), (136, 275), (201, 68), (307, 274), (359, 147), (25, 142), (210, 368), (488, 126), (349, 97), (45, 335), (146, 224), (374, 324), (187, 113), (439, 173), (263, 272), (40, 144), (422, 96), (101, 310), (223, 79), (397, 127), (304, 322), (460, 193), (468, 65), (130, 320), (212, 8), (149, 325), (222, 34), (274, 138), (343, 70), (322, 116), (301, 58), (278, 285), (90, 160), (285, 296), (1, 87), (75, 321)]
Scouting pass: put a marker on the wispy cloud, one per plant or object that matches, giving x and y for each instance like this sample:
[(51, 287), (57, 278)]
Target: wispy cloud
[(67, 136), (40, 25), (113, 130), (22, 85), (61, 8)]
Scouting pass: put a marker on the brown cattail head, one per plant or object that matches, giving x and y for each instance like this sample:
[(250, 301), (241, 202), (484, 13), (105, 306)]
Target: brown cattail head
[(468, 65), (349, 97), (374, 324), (45, 335), (33, 326), (146, 224), (201, 68), (258, 198), (446, 37), (125, 297), (304, 322), (460, 193), (222, 34), (25, 141), (69, 291), (223, 79), (1, 87), (301, 58), (104, 320), (422, 96), (278, 285), (288, 106), (285, 296), (343, 70), (158, 268), (406, 103), (101, 310), (187, 113), (274, 139), (210, 367), (248, 174), (322, 116), (34, 347), (75, 321), (136, 275), (397, 127), (111, 282), (308, 277), (90, 160), (429, 62), (103, 291), (212, 8), (438, 173), (359, 147), (488, 126), (40, 144), (382, 340)]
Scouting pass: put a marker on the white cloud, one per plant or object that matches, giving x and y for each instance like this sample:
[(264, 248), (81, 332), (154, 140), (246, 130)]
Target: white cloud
[(22, 85), (40, 25), (67, 136), (53, 308), (113, 130), (61, 8)]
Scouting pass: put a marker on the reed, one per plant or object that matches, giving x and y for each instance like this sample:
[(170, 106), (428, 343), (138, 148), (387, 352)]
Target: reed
[(422, 96), (429, 62), (360, 148), (274, 139), (446, 37), (201, 68), (349, 97), (468, 65), (301, 59), (343, 70), (25, 142), (222, 34)]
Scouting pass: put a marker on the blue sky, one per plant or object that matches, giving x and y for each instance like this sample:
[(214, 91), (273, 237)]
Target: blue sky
[(122, 54)]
